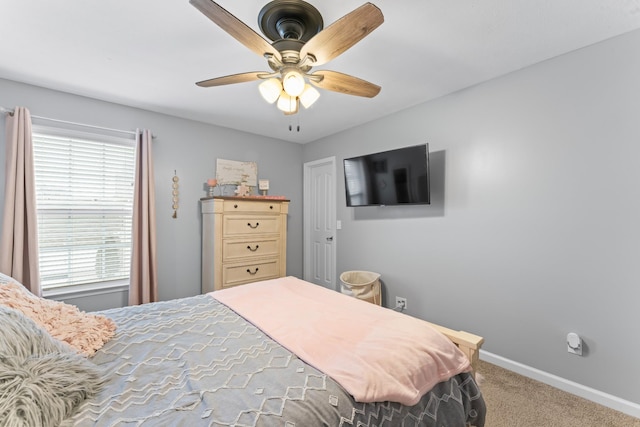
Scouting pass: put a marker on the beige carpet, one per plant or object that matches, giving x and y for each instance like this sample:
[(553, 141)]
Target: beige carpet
[(517, 401)]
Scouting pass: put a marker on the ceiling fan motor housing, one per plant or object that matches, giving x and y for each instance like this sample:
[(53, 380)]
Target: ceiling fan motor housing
[(290, 20)]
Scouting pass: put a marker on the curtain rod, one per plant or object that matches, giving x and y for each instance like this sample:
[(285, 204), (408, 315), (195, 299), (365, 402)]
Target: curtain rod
[(10, 112)]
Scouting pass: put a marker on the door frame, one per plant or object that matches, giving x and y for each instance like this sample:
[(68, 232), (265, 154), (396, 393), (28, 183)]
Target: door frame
[(306, 234)]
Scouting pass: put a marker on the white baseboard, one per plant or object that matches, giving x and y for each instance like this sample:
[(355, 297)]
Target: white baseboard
[(585, 392)]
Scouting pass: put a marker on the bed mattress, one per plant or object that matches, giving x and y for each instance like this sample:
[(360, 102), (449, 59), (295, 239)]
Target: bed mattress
[(195, 362)]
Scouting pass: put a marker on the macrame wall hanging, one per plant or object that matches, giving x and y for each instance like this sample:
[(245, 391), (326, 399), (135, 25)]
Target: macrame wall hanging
[(174, 194)]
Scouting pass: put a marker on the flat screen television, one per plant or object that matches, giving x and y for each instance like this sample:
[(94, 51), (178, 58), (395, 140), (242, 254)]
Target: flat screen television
[(394, 177)]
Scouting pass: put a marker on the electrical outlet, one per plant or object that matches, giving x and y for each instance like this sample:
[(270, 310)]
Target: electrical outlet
[(401, 303)]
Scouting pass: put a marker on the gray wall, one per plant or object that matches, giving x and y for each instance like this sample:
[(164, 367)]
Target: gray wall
[(535, 227), (191, 149)]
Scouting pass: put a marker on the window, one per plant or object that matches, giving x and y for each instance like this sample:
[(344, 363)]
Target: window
[(84, 202)]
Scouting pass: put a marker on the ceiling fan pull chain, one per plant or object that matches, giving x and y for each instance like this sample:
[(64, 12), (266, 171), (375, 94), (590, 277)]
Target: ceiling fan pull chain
[(297, 127)]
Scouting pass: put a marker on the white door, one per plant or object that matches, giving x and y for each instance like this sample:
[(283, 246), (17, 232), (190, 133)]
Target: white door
[(320, 222)]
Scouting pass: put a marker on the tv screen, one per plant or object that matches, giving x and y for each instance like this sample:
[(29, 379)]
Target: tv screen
[(395, 177)]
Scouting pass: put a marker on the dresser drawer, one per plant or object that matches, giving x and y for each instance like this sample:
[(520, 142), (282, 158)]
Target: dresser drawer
[(250, 224), (242, 249), (238, 274), (250, 206)]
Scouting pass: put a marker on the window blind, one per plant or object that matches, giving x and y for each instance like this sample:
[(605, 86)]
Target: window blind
[(84, 199)]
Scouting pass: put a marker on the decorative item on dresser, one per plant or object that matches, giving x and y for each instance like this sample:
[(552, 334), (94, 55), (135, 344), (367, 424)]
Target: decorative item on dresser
[(212, 183), (263, 186), (244, 240)]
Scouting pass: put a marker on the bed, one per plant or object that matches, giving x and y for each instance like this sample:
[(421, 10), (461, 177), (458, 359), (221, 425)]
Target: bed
[(256, 356)]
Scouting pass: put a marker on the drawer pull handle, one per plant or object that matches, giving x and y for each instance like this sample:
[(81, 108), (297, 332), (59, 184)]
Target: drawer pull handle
[(253, 250), (249, 271), (235, 206), (256, 226), (270, 207)]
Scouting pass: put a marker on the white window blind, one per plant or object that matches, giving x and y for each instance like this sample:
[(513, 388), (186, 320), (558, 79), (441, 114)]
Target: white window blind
[(84, 199)]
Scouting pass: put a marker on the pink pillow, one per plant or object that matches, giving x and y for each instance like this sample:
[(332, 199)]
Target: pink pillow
[(85, 333)]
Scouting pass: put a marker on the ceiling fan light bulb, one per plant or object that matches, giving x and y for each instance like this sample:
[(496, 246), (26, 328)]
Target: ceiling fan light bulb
[(293, 83), (309, 96), (270, 90), (287, 104)]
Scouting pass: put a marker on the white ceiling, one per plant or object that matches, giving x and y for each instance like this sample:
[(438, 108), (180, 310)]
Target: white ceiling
[(149, 54)]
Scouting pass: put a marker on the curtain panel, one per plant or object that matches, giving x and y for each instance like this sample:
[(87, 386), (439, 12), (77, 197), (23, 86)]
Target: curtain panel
[(19, 240), (144, 277)]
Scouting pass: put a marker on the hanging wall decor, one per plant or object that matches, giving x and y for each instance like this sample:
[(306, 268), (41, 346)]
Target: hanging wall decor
[(174, 194)]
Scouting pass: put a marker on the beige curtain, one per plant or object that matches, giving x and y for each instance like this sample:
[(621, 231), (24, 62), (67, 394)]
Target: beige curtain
[(19, 240), (144, 276)]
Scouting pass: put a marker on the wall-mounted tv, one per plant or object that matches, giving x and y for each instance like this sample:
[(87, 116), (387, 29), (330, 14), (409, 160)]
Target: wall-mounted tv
[(394, 177)]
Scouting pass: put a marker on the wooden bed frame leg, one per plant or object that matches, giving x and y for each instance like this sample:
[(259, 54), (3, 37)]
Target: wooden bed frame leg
[(473, 355)]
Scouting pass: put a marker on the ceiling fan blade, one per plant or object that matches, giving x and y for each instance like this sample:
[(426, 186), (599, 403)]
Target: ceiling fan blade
[(232, 79), (235, 27), (342, 34), (344, 83)]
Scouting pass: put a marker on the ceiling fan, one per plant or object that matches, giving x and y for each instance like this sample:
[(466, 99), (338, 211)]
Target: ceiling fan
[(299, 43)]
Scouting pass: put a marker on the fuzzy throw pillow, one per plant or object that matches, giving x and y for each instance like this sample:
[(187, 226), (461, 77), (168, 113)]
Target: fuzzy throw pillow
[(84, 332), (42, 381)]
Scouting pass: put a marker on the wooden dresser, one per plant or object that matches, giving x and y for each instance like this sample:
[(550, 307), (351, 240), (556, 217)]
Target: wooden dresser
[(244, 240)]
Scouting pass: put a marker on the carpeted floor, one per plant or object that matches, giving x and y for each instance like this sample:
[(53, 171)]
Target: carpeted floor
[(517, 401)]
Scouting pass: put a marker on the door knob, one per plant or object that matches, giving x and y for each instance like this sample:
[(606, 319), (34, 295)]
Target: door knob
[(330, 239)]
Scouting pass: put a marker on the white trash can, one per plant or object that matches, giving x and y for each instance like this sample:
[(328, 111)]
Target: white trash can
[(364, 285)]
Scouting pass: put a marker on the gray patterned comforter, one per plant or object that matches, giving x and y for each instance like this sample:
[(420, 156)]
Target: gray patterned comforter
[(194, 362)]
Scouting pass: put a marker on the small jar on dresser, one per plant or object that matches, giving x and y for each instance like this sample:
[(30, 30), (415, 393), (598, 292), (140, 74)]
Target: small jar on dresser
[(244, 240)]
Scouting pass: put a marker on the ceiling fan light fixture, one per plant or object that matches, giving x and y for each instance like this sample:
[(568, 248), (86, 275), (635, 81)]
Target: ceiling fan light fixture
[(270, 90), (293, 83), (309, 96), (299, 44), (287, 104)]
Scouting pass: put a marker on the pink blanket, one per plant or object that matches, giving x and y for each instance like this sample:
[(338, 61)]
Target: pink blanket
[(374, 353)]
